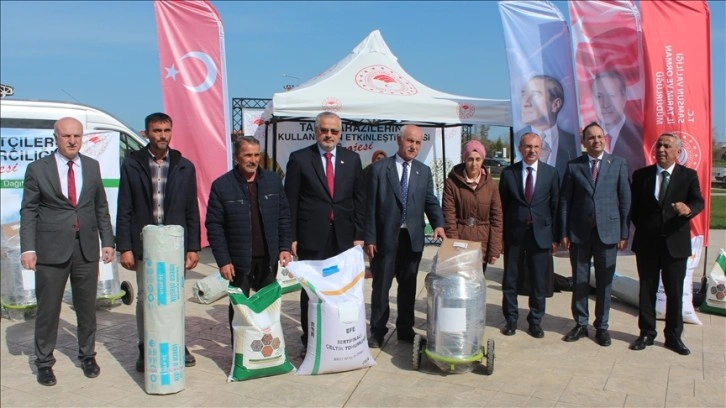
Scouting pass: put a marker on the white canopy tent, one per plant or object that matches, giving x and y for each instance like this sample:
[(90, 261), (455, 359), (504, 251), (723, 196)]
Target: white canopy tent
[(370, 86)]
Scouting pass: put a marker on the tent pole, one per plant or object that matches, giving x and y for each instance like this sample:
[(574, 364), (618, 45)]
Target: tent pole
[(511, 145), (274, 145), (443, 151)]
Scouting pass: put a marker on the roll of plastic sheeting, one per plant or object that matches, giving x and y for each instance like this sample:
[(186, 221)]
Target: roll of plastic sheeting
[(210, 289), (164, 309)]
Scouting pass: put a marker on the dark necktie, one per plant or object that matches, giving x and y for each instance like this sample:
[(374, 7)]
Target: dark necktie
[(529, 185), (529, 191), (404, 190), (72, 189), (663, 187), (595, 170), (330, 177)]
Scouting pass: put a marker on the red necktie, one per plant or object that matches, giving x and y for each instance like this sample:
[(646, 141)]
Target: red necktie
[(595, 170), (72, 189), (330, 176)]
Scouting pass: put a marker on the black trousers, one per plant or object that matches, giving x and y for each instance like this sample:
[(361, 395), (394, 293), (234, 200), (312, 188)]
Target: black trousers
[(672, 271), (537, 262), (260, 276), (50, 283), (330, 249), (402, 265)]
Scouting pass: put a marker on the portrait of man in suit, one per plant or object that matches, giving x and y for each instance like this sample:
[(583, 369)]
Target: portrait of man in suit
[(666, 196), (63, 214), (623, 138), (541, 101), (158, 186), (594, 209), (400, 192), (529, 190), (323, 187)]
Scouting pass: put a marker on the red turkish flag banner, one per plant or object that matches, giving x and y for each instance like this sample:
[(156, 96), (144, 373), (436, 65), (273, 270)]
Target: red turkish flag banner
[(677, 44), (194, 87)]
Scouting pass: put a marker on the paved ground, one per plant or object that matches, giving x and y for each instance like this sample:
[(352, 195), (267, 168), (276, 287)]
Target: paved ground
[(527, 371)]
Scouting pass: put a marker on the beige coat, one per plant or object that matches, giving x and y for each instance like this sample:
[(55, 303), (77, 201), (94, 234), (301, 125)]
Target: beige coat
[(474, 214)]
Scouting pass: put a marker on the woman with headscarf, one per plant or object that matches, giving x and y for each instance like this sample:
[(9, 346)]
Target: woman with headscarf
[(471, 204)]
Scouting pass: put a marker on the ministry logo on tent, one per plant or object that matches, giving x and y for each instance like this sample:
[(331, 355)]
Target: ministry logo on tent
[(382, 79)]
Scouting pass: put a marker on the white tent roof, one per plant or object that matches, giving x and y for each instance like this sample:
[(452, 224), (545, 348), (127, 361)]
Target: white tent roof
[(370, 84)]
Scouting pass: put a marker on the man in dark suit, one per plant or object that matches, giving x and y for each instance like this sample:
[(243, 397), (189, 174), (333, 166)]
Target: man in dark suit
[(63, 214), (623, 137), (529, 190), (542, 100), (666, 196), (594, 206), (323, 186), (400, 191), (158, 187)]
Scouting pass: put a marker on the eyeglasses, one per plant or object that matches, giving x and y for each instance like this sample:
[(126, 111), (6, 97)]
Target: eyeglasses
[(334, 132)]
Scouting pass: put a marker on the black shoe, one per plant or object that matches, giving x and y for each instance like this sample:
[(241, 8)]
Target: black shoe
[(536, 331), (46, 376), (90, 368), (375, 342), (677, 346), (140, 361), (641, 342), (510, 329), (603, 337), (576, 333), (189, 360), (406, 336)]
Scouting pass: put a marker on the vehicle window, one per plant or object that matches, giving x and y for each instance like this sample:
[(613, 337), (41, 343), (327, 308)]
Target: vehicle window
[(128, 144), (16, 123)]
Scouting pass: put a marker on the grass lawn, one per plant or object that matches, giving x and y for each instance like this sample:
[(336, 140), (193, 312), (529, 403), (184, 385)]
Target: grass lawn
[(718, 212)]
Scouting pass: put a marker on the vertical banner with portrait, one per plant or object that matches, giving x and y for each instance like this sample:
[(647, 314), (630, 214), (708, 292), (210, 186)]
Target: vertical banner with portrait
[(677, 48), (542, 80), (609, 63)]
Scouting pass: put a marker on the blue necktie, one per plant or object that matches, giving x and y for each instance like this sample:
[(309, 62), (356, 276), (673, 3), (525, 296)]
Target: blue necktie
[(404, 190)]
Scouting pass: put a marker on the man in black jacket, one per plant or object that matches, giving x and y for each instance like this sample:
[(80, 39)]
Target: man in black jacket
[(158, 187), (248, 221)]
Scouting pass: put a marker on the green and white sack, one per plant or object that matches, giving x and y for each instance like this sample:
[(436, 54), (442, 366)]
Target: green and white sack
[(715, 302), (259, 344), (287, 282), (337, 337)]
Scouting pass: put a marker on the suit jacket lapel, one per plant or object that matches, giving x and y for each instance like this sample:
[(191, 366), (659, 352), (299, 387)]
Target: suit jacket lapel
[(53, 176), (87, 178), (317, 162), (517, 169), (584, 165), (340, 168), (393, 179), (414, 179)]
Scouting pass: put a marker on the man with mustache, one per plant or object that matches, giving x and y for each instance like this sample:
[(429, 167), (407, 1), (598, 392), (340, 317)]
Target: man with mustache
[(248, 221), (323, 186), (400, 191), (158, 187)]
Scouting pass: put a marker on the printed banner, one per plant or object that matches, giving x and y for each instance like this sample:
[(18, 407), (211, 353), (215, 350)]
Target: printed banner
[(194, 87), (251, 120), (608, 53), (677, 48), (367, 140), (542, 81)]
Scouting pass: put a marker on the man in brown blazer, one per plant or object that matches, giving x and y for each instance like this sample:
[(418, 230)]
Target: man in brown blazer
[(63, 214)]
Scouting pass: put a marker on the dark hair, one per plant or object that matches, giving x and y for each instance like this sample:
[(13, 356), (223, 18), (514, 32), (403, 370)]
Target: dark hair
[(158, 117), (589, 125), (554, 88), (239, 141)]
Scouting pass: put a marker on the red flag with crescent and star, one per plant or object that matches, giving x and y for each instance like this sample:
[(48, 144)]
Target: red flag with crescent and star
[(194, 87)]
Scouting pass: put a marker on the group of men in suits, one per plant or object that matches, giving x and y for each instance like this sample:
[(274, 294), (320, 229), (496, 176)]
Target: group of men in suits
[(321, 212), (590, 214), (331, 213)]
